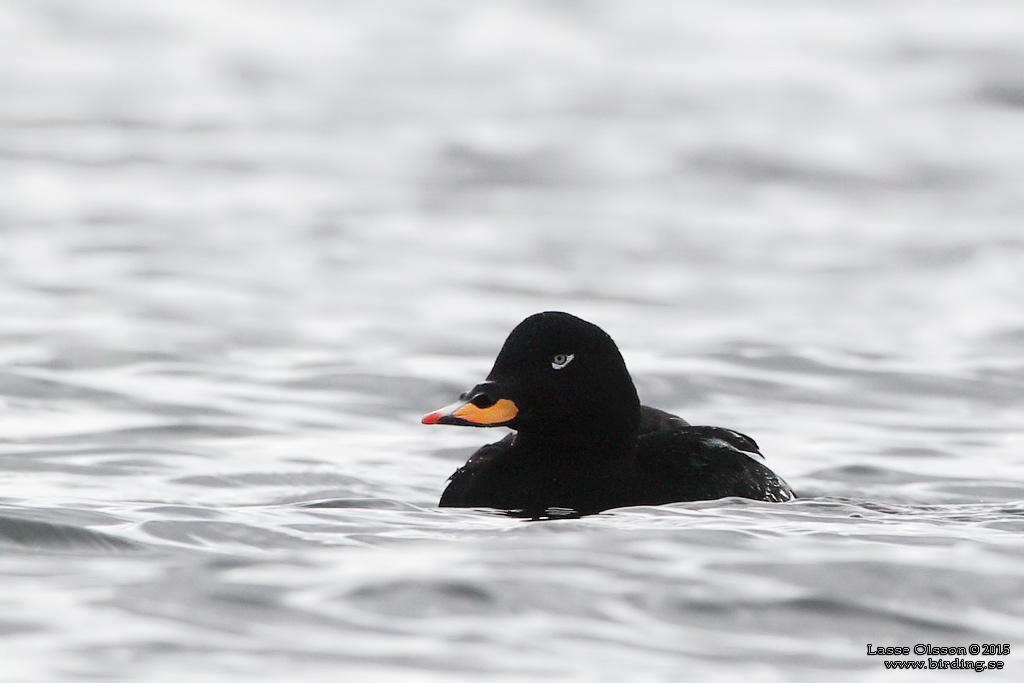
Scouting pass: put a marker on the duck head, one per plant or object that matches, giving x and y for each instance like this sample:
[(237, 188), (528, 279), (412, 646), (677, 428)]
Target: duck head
[(556, 374)]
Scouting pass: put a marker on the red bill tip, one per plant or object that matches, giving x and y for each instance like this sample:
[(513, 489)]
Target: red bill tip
[(431, 418)]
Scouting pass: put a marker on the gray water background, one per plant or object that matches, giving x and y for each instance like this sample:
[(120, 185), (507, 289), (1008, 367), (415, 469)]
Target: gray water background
[(245, 245)]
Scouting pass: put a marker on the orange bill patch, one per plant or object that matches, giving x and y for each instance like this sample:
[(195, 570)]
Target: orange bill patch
[(501, 412)]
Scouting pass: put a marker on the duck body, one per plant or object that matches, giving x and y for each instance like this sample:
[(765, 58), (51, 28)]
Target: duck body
[(583, 442)]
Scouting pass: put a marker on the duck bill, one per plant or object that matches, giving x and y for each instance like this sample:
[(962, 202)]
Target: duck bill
[(468, 414)]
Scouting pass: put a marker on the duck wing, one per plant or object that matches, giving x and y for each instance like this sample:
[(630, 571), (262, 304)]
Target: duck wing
[(705, 463), (656, 420)]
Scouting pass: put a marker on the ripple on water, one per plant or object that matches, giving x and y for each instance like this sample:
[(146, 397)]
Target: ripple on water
[(20, 533)]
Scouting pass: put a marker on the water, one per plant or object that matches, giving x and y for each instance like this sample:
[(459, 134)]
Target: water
[(245, 245)]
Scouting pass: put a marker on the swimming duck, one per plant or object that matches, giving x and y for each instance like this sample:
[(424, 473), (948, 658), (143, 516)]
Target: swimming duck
[(583, 443)]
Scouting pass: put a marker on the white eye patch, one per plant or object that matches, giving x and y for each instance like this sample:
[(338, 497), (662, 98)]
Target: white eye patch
[(560, 360)]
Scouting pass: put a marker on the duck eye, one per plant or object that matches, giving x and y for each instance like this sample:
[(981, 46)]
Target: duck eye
[(560, 360)]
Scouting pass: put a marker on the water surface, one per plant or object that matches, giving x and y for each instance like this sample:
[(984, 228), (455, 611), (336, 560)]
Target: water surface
[(246, 245)]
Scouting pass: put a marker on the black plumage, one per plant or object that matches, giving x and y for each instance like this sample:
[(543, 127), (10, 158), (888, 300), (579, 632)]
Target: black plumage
[(583, 441)]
